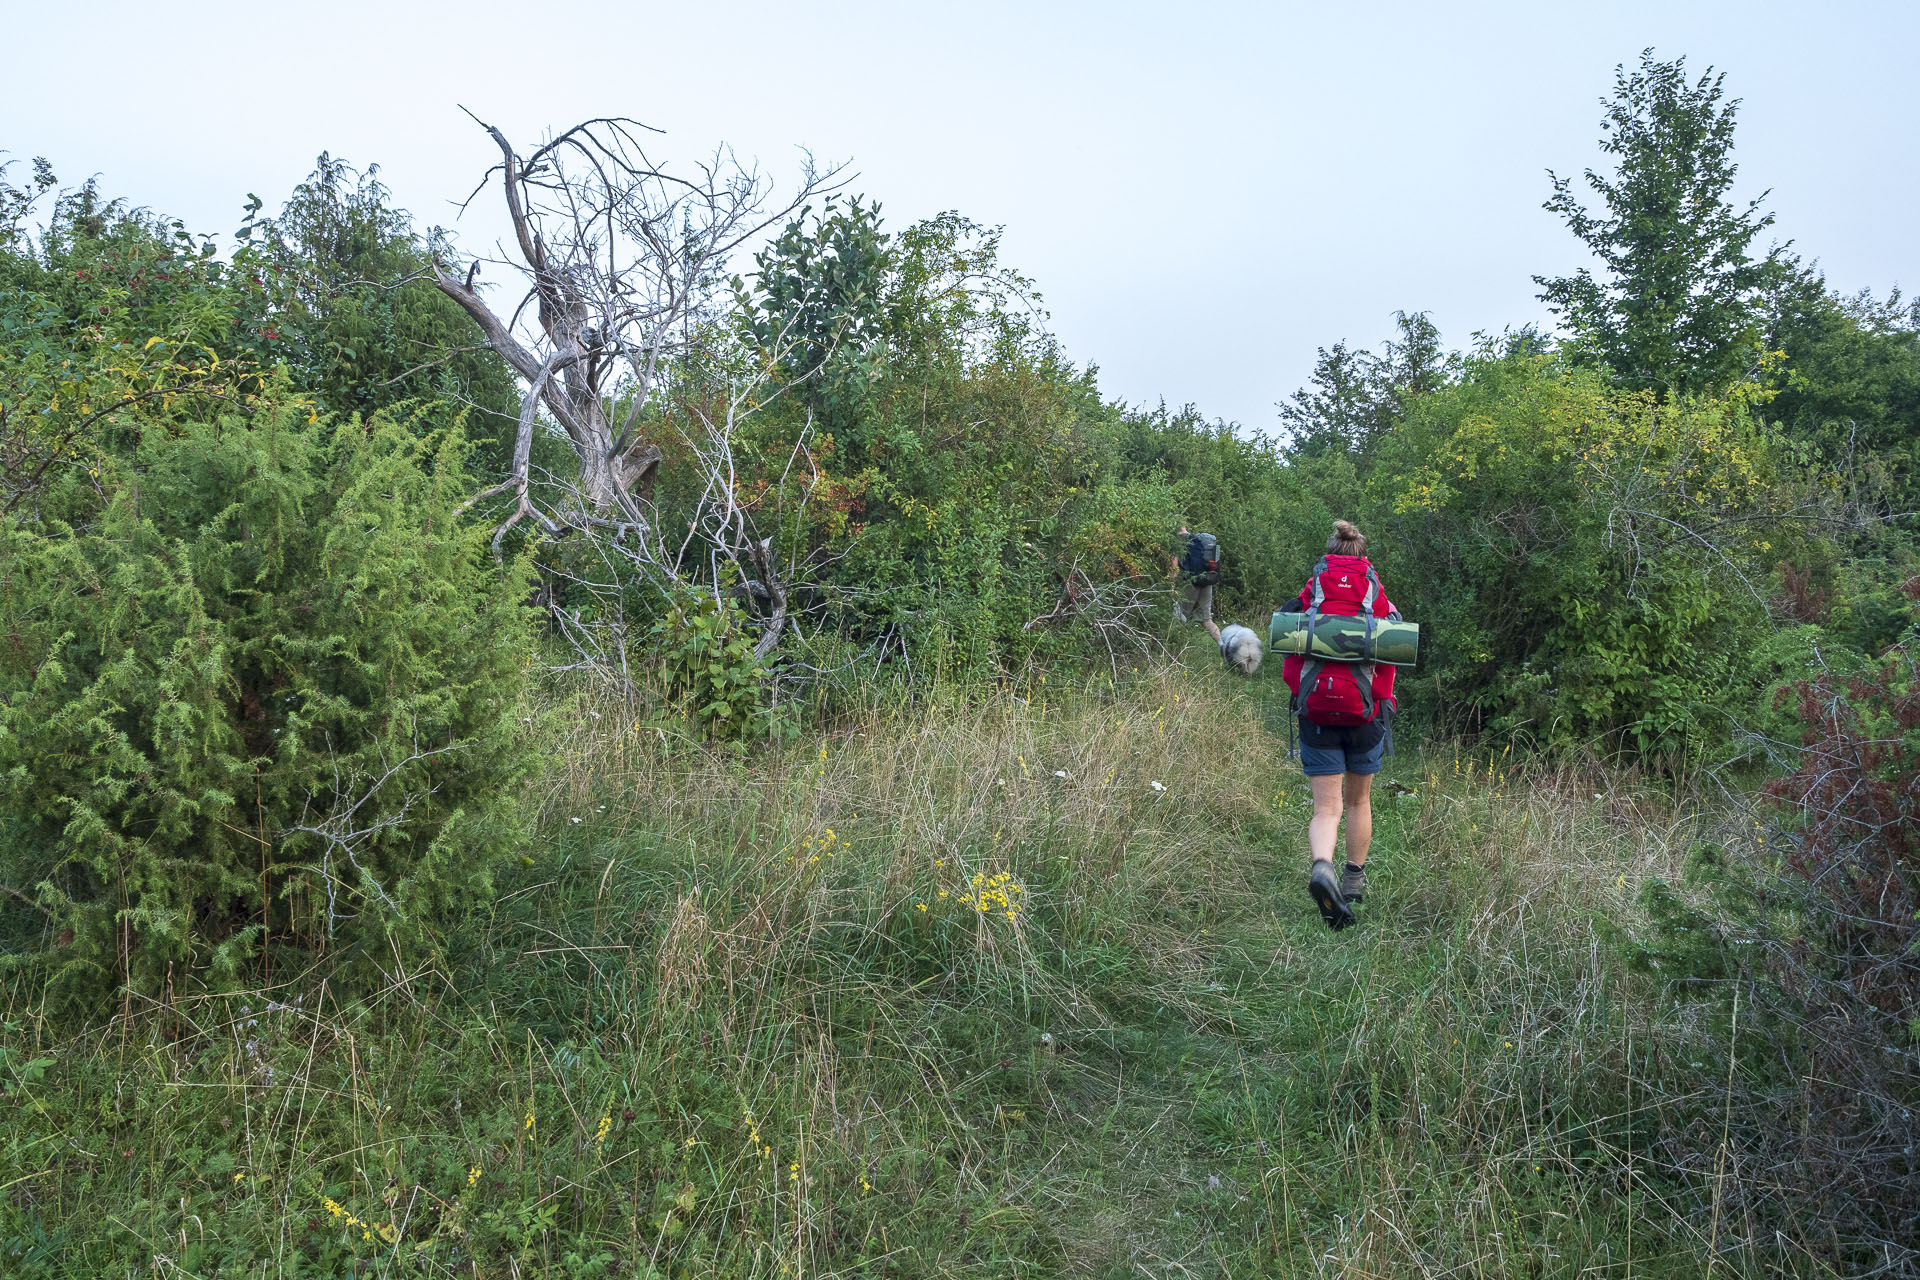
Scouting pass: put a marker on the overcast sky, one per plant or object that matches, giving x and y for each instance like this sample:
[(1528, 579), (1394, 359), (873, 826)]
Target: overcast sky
[(1205, 193)]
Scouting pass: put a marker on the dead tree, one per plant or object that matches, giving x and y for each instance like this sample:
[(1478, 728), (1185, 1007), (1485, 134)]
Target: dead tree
[(622, 266), (620, 260), (1113, 610)]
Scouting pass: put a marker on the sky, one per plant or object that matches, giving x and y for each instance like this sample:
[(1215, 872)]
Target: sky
[(1204, 193)]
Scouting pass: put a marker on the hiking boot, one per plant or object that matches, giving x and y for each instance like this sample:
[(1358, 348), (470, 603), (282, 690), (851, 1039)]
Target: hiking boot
[(1325, 891), (1353, 883)]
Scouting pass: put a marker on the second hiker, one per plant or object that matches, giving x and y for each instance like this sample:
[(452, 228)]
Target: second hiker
[(1198, 573)]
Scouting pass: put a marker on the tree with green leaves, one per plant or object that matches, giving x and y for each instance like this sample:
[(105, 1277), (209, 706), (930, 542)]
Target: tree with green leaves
[(1587, 555), (363, 324), (1355, 396), (1675, 307), (116, 322), (1853, 369), (817, 301)]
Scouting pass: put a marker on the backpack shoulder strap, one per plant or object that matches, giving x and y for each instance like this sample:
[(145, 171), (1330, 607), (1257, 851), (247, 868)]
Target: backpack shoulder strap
[(1313, 607), (1366, 609)]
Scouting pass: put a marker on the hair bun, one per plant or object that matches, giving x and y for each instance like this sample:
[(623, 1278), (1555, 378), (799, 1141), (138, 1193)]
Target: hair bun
[(1346, 540)]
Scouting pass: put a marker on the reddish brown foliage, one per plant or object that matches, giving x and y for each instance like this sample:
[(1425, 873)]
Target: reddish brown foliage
[(1857, 791), (1799, 598), (1848, 973)]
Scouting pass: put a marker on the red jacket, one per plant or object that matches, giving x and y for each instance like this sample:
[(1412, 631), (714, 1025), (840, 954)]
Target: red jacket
[(1345, 586)]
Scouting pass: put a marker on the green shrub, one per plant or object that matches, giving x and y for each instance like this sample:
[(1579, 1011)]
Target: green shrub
[(1582, 558), (713, 678), (266, 694)]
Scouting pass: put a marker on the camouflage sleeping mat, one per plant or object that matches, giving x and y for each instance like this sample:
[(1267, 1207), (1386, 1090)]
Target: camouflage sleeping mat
[(1345, 639)]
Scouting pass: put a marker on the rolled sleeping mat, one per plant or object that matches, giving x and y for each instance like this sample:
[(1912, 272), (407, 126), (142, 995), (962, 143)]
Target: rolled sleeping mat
[(1344, 639)]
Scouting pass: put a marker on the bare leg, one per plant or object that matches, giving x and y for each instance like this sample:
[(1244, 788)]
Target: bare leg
[(1358, 793), (1214, 627), (1325, 823)]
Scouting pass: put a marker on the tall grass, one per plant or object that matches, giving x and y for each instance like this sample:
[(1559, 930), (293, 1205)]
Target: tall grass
[(1020, 986)]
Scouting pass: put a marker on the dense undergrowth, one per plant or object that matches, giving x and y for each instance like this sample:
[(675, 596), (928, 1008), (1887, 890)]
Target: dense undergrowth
[(1022, 987)]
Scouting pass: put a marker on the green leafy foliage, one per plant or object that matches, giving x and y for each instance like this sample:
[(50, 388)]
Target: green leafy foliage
[(1676, 307), (938, 464), (1355, 397), (817, 301), (110, 320), (713, 677), (268, 692), (361, 325), (1851, 390)]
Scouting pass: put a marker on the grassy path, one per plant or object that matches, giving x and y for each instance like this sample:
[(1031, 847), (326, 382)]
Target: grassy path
[(1443, 1089)]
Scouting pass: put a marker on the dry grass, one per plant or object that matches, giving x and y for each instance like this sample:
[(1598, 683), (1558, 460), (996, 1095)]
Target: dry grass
[(848, 836)]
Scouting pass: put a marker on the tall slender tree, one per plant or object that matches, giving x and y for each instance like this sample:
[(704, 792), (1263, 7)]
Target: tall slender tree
[(1676, 306)]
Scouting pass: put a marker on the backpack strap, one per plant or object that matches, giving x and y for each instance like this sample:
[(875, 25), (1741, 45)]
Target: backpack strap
[(1374, 592), (1366, 607), (1310, 669), (1313, 607)]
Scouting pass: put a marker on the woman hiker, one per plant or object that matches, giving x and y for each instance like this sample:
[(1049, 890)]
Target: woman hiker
[(1343, 724)]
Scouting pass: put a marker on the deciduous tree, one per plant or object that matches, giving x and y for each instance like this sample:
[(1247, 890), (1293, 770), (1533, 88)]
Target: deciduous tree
[(1675, 306)]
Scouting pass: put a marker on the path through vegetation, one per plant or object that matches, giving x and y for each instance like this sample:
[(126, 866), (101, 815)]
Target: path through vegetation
[(1029, 988)]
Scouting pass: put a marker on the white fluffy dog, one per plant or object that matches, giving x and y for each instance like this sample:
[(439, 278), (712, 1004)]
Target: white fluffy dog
[(1240, 647)]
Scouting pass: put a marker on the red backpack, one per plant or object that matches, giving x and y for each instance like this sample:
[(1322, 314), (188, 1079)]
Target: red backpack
[(1337, 693)]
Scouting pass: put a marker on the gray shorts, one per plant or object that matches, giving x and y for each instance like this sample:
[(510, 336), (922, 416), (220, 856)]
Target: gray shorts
[(1329, 749), (1196, 604)]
